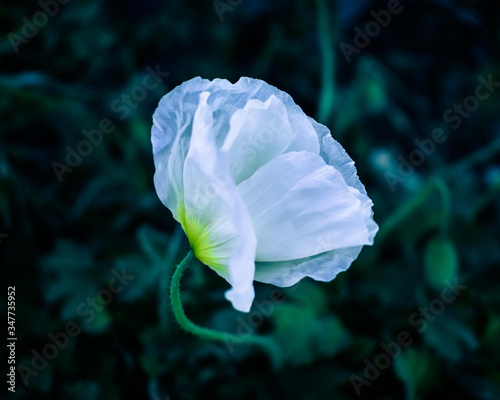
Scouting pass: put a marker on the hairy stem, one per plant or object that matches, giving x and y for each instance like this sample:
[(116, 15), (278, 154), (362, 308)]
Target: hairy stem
[(230, 339)]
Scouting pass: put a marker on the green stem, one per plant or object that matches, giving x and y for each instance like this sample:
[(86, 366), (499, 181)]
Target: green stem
[(407, 208), (480, 156), (170, 253), (327, 95), (230, 339)]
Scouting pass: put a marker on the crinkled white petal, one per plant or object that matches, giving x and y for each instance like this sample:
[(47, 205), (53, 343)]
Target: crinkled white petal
[(172, 125), (322, 267), (306, 138), (170, 139), (214, 216), (334, 154), (258, 133), (300, 206)]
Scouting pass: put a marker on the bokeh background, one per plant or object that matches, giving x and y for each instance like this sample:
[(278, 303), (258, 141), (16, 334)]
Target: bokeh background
[(65, 235)]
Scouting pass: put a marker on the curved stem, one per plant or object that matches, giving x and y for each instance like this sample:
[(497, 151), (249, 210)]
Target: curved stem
[(210, 334), (407, 208), (170, 253), (327, 96)]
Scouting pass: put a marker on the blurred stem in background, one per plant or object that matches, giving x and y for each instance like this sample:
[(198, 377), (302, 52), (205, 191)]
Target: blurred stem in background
[(480, 156), (175, 296), (327, 36), (412, 204)]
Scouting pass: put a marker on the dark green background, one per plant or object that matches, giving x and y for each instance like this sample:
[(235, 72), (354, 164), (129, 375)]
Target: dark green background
[(440, 222)]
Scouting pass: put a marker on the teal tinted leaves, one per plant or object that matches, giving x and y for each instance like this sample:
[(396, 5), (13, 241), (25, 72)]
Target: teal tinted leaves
[(450, 338), (99, 324), (491, 334), (440, 261), (154, 358), (146, 265), (303, 328), (418, 370), (71, 273)]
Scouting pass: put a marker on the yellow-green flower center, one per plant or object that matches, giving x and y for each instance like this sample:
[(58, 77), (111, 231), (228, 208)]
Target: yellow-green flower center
[(198, 235)]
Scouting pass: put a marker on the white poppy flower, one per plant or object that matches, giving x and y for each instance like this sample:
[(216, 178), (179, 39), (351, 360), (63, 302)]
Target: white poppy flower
[(262, 191)]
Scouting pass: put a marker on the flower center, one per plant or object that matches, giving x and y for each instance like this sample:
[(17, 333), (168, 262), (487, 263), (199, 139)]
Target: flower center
[(199, 240)]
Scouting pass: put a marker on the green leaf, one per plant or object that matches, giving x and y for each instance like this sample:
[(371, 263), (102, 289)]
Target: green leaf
[(83, 390), (331, 336), (376, 96), (70, 274), (153, 243), (441, 262), (155, 358), (303, 328), (450, 338), (99, 324), (147, 264), (417, 369), (491, 334)]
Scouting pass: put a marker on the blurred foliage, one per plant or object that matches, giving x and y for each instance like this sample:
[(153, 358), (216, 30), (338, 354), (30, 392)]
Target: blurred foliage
[(67, 240)]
